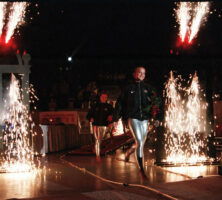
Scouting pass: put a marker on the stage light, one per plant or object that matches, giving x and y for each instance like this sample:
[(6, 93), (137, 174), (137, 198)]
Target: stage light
[(70, 59)]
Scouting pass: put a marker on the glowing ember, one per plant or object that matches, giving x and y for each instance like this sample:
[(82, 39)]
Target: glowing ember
[(16, 18), (190, 16), (17, 156), (185, 121)]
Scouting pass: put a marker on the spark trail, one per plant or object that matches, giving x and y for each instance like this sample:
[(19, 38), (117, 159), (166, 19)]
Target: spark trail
[(2, 16), (16, 18), (191, 16), (18, 155), (185, 123)]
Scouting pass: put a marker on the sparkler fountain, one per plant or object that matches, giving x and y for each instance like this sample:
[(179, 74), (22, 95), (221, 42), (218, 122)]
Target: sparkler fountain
[(17, 155), (191, 16), (12, 16), (185, 123)]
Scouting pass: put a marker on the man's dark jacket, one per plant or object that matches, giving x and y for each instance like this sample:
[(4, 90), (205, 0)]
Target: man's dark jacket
[(136, 101), (100, 112)]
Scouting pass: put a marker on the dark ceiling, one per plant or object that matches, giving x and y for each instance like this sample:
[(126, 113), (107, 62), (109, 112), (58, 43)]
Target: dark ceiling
[(112, 29)]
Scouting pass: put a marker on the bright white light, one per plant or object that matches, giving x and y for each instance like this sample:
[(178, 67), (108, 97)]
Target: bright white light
[(16, 18), (69, 58), (185, 122), (2, 15), (202, 11), (18, 155), (191, 16)]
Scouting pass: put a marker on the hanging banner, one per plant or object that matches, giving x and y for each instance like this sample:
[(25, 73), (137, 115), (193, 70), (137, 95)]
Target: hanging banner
[(58, 117)]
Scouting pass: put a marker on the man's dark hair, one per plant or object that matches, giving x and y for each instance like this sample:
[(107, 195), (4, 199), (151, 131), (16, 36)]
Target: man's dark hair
[(138, 66), (103, 92)]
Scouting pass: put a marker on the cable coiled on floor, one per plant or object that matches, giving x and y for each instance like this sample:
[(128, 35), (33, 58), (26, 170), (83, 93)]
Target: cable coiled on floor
[(85, 171)]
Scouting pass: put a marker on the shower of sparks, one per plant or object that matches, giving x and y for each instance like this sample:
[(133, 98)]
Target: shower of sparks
[(2, 16), (175, 114), (33, 98), (190, 16), (18, 155), (16, 18), (201, 10), (185, 122), (174, 119), (183, 18), (196, 121)]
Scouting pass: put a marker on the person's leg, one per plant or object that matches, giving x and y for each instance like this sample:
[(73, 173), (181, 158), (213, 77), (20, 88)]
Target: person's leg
[(108, 131), (95, 132), (139, 131), (144, 131), (129, 152), (99, 132)]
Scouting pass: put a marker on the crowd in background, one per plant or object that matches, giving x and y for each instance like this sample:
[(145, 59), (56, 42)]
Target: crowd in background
[(71, 88), (69, 94)]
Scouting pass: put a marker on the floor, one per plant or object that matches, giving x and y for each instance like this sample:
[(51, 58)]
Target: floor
[(65, 176)]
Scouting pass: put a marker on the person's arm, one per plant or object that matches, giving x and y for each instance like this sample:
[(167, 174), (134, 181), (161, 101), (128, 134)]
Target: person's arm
[(156, 103), (117, 113), (110, 114), (90, 114)]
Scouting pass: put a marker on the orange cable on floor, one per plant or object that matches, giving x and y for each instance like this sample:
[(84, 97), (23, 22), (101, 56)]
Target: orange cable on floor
[(84, 170)]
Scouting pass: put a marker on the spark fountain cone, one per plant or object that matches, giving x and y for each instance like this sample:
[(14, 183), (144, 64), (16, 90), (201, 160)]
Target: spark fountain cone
[(12, 16), (185, 123), (17, 153), (190, 16)]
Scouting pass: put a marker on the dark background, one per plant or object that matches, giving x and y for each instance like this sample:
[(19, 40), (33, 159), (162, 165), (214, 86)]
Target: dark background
[(109, 38)]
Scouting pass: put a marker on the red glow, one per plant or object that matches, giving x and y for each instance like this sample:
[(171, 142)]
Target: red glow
[(10, 43), (190, 42), (184, 44), (6, 47)]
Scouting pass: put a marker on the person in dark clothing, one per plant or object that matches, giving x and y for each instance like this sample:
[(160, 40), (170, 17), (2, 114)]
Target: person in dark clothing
[(137, 103), (100, 115)]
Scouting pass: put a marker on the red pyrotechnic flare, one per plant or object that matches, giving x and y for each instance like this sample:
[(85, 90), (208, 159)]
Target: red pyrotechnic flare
[(11, 17), (190, 16), (201, 10), (16, 18), (2, 15)]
